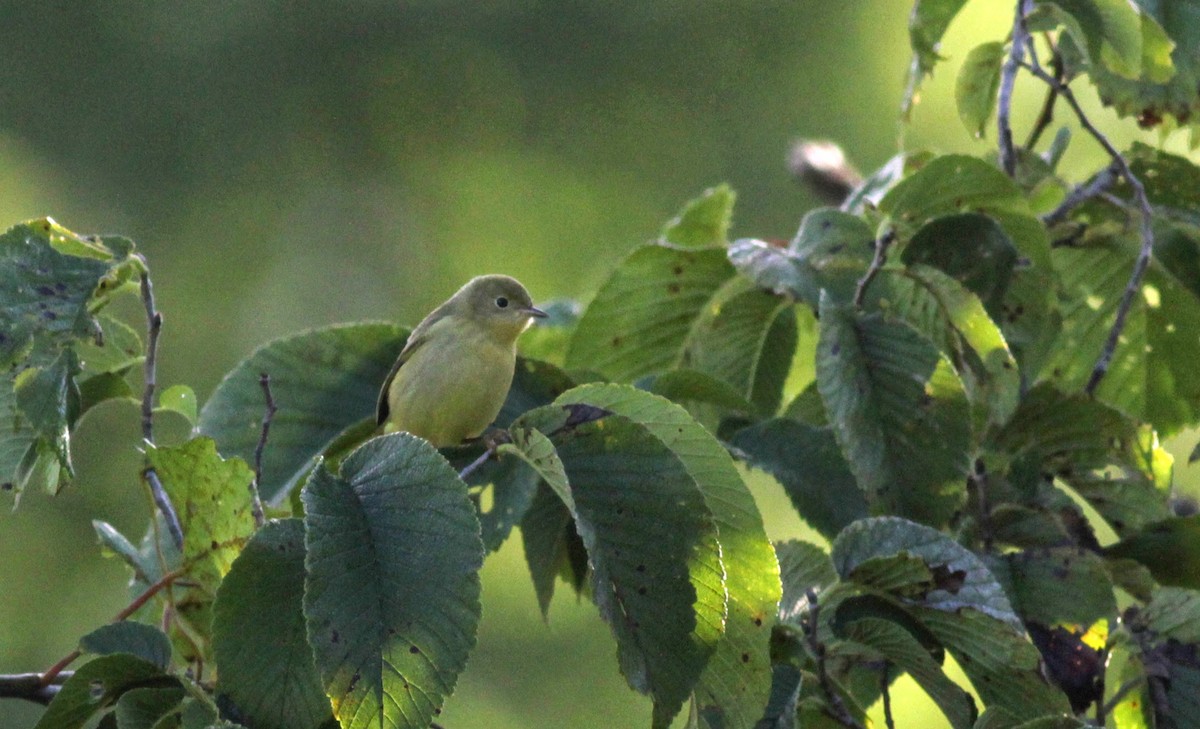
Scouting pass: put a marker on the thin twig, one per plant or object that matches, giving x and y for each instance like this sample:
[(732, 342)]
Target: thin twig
[(51, 673), (887, 697), (474, 465), (29, 686), (1105, 708), (881, 246), (154, 327), (1046, 115), (837, 708), (264, 381), (1146, 227), (1100, 182), (1008, 77)]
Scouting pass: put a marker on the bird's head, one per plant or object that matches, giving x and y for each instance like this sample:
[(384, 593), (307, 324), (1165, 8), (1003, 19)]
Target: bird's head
[(498, 303)]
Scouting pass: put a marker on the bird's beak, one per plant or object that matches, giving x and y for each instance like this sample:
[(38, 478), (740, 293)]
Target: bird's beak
[(535, 312)]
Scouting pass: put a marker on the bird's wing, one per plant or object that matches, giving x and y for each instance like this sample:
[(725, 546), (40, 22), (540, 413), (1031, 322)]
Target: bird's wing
[(381, 405)]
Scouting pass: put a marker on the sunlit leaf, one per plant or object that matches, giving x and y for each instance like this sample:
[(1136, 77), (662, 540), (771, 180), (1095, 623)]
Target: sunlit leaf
[(704, 221), (977, 84)]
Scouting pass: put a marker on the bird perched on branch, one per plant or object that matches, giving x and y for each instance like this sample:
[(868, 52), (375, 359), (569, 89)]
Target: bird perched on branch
[(453, 375)]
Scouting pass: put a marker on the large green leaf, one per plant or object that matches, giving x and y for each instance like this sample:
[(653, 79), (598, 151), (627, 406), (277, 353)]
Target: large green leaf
[(899, 413), (954, 184), (657, 575), (1057, 586), (1152, 375), (748, 341), (807, 462), (323, 381), (802, 567), (639, 321), (144, 708), (212, 498), (259, 639), (736, 682), (971, 248), (96, 686), (959, 579), (956, 321), (392, 588)]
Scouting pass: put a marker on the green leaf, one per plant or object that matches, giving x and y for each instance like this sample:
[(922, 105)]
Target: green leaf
[(807, 462), (211, 496), (1170, 549), (657, 575), (1116, 466), (143, 708), (956, 321), (876, 185), (135, 639), (639, 321), (830, 252), (102, 388), (802, 567), (179, 399), (392, 589), (977, 84), (1151, 376), (736, 682), (704, 221), (118, 349), (323, 381), (898, 411), (259, 638), (690, 386), (748, 341), (898, 646), (1064, 586), (959, 578), (96, 686), (954, 184), (46, 395), (973, 249), (553, 548), (926, 25), (1109, 32), (1155, 81)]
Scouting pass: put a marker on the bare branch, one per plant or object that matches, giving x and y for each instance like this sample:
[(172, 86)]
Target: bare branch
[(1100, 182), (1008, 77), (1046, 115), (474, 465), (880, 258), (1146, 226), (154, 327), (264, 381), (29, 686), (48, 677)]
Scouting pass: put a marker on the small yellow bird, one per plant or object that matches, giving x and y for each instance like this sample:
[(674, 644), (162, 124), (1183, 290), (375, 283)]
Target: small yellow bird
[(453, 375)]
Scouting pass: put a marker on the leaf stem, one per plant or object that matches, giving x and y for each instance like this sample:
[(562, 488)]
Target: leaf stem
[(264, 381), (881, 246), (887, 697), (474, 465), (154, 321)]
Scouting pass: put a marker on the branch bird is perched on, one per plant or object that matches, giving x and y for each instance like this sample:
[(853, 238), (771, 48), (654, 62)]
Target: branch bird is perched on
[(453, 375)]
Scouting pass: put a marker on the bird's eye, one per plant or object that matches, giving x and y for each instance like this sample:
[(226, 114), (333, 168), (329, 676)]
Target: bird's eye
[(502, 302)]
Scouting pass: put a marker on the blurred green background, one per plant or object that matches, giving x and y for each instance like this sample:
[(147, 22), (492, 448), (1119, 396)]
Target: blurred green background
[(292, 164)]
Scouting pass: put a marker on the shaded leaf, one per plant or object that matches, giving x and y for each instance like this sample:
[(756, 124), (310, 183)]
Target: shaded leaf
[(143, 708), (898, 411), (396, 531), (323, 381), (807, 462), (135, 639), (1057, 586), (259, 636), (802, 567), (971, 248), (1170, 549), (179, 399), (96, 686), (639, 321)]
